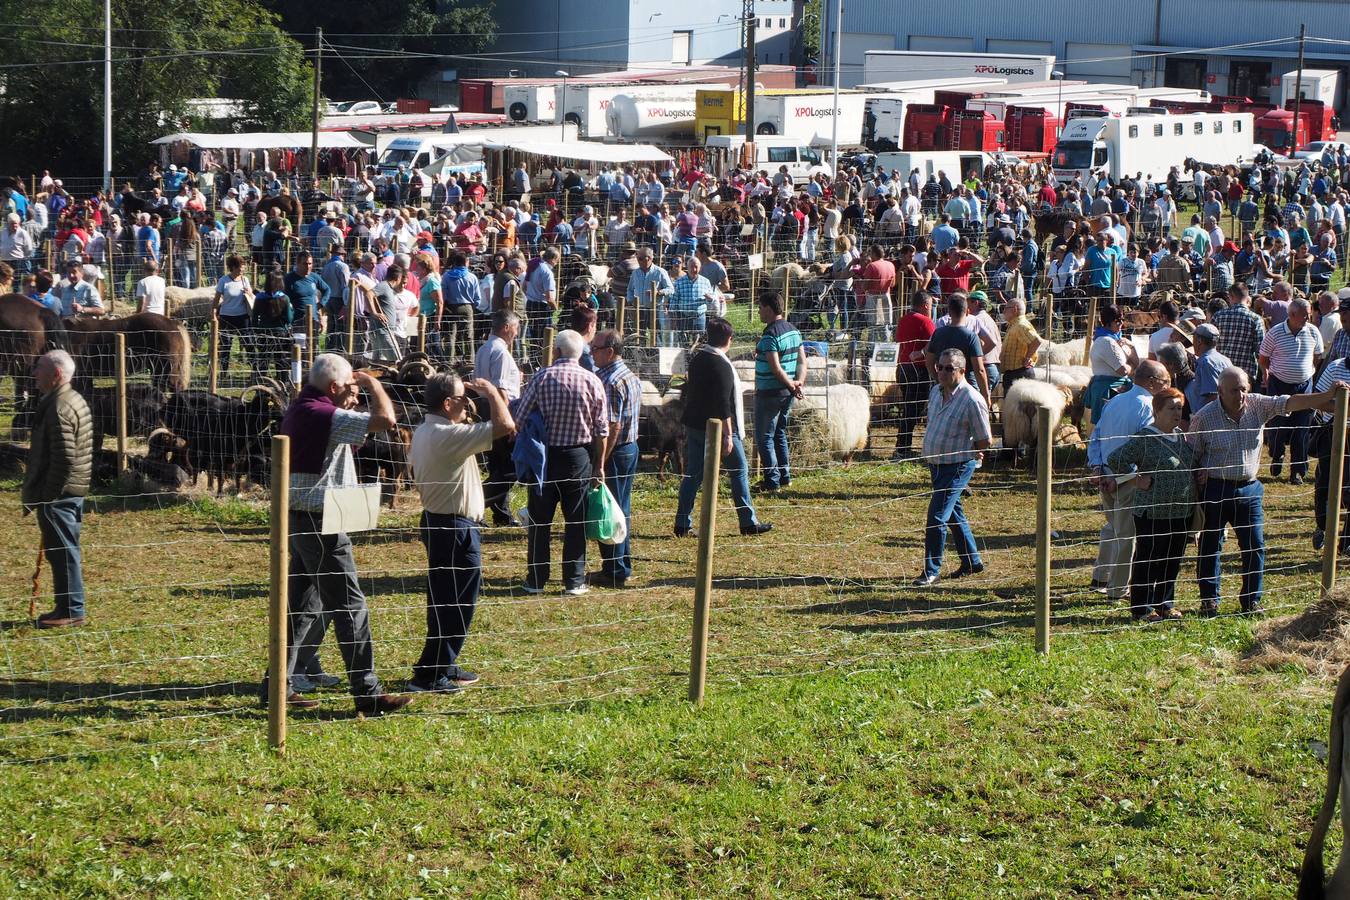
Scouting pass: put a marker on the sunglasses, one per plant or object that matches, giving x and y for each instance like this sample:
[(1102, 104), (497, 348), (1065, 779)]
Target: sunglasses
[(950, 369)]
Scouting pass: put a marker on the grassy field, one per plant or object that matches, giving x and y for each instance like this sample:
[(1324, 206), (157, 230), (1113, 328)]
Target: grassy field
[(861, 738)]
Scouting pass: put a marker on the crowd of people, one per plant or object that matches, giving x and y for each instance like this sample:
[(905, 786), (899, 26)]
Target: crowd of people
[(1178, 427)]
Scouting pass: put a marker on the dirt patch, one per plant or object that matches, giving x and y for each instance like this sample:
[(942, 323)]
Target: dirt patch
[(1316, 640)]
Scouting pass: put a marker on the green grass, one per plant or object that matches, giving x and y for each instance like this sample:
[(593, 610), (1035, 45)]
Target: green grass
[(861, 738)]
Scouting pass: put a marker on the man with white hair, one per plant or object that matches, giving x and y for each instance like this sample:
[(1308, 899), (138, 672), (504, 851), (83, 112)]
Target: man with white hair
[(1290, 354), (60, 463), (575, 422), (323, 426), (953, 445), (16, 245), (1226, 435)]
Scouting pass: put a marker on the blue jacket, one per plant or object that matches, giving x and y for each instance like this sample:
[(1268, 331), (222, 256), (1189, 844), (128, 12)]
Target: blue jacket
[(529, 452)]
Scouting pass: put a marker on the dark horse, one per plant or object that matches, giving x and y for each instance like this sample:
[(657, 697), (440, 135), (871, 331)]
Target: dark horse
[(155, 344), (1051, 223)]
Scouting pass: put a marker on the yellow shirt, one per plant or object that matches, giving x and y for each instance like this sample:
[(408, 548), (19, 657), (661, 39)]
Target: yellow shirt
[(1020, 338)]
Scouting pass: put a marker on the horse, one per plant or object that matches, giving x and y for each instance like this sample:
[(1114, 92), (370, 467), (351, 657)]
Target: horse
[(27, 330), (1050, 224), (155, 344), (1311, 873)]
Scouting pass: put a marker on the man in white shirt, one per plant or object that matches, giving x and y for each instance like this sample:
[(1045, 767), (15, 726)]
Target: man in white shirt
[(911, 209), (445, 470), (495, 364), (150, 292), (16, 245)]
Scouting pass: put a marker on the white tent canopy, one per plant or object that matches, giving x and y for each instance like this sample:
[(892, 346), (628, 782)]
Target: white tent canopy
[(582, 150), (263, 140)]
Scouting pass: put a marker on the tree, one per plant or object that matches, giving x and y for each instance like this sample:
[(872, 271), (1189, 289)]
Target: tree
[(810, 35), (399, 43), (51, 111)]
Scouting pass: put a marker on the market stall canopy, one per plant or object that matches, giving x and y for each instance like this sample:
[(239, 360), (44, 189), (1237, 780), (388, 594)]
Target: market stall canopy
[(582, 150), (263, 140)]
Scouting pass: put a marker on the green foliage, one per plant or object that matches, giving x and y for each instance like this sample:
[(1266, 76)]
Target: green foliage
[(389, 54), (163, 55), (810, 32)]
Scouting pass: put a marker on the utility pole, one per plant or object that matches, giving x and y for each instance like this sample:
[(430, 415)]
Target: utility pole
[(748, 13), (834, 115), (1298, 92), (314, 138), (107, 96)]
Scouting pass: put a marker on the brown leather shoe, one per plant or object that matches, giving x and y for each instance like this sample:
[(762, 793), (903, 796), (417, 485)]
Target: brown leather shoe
[(381, 704), (59, 622), (296, 700)]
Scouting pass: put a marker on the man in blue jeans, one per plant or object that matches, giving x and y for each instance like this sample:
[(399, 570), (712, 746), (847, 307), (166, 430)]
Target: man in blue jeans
[(60, 463), (623, 390), (957, 434), (712, 391), (780, 372)]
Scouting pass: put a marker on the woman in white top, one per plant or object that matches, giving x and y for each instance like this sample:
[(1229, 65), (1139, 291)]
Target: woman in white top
[(231, 307), (1063, 270), (1113, 359)]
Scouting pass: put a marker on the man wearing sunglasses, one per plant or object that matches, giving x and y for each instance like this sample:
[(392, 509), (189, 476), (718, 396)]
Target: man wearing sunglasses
[(953, 444)]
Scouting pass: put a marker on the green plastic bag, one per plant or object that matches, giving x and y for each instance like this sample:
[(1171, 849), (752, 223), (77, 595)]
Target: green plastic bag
[(605, 522)]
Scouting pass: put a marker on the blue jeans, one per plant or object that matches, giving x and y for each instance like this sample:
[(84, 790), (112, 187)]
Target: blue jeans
[(454, 573), (734, 466), (995, 376), (944, 508), (771, 438), (1229, 503), (620, 469), (59, 522)]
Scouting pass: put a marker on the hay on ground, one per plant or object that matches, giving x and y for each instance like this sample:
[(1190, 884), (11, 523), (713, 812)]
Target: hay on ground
[(1316, 640)]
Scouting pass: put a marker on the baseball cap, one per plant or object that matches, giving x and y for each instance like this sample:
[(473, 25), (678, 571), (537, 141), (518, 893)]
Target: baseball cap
[(1344, 305), (1208, 332), (1230, 246), (978, 295)]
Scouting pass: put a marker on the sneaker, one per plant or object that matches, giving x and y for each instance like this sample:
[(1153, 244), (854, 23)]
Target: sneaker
[(443, 685), (763, 487), (301, 684), (576, 590), (531, 589), (686, 532), (1319, 538), (462, 677), (1296, 479)]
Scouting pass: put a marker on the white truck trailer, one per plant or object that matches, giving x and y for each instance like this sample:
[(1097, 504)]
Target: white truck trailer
[(809, 117), (908, 65), (1151, 144)]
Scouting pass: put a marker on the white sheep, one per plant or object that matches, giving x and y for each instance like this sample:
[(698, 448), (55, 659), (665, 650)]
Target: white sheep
[(1067, 354), (847, 410), (1021, 404), (651, 394), (191, 306)]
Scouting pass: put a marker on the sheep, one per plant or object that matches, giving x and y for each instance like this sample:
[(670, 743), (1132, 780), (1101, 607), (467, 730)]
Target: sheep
[(661, 428), (1074, 379), (191, 306), (1067, 354), (1022, 403), (846, 410)]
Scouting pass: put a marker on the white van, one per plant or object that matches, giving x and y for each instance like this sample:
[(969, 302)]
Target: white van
[(770, 153), (410, 152), (956, 164)]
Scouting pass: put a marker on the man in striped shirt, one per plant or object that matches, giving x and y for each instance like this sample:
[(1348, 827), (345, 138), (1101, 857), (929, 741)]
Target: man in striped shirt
[(623, 391), (1290, 353), (1226, 435), (953, 444), (572, 403)]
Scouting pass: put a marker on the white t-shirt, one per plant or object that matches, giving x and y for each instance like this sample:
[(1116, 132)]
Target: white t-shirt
[(1330, 327), (1131, 277), (1155, 340), (151, 290), (234, 295), (1107, 356)]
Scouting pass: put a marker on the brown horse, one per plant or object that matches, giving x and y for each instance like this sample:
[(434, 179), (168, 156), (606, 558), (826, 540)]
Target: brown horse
[(155, 344), (27, 330), (1050, 224)]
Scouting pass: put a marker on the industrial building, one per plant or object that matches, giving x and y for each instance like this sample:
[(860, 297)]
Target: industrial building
[(1149, 44)]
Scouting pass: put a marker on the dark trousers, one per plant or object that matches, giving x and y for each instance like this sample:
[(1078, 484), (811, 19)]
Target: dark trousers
[(1237, 504), (620, 469), (1322, 483), (1292, 430), (569, 471), (501, 477), (231, 328), (59, 522), (1159, 545), (915, 388), (323, 587), (454, 574)]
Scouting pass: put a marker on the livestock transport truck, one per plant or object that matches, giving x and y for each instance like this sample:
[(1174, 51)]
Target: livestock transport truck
[(1151, 144)]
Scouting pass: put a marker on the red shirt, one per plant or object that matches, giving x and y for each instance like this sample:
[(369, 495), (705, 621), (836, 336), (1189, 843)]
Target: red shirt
[(912, 333), (1048, 195), (955, 276), (877, 277)]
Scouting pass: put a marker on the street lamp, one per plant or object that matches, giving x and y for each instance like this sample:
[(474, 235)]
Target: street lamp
[(562, 104), (1059, 127)]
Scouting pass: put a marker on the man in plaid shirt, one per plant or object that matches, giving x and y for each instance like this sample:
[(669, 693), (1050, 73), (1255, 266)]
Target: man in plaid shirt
[(571, 402), (623, 390), (1240, 332), (689, 305)]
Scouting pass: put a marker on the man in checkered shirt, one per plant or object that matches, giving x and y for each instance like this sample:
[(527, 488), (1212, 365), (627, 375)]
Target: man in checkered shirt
[(624, 393), (572, 403), (1240, 331), (1226, 435)]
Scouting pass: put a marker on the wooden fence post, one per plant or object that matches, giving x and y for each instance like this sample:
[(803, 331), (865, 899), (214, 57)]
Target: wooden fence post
[(351, 318), (168, 257), (707, 524), (120, 373), (297, 367), (309, 338), (213, 362), (1335, 484), (111, 277), (201, 271), (546, 351), (652, 336), (277, 607), (1045, 453), (1091, 324), (620, 309)]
